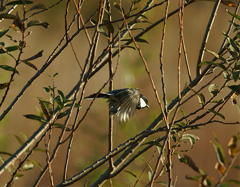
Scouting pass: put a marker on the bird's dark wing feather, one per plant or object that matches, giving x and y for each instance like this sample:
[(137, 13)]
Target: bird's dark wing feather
[(123, 103)]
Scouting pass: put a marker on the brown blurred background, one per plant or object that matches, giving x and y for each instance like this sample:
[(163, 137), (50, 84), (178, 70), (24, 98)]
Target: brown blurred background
[(90, 142)]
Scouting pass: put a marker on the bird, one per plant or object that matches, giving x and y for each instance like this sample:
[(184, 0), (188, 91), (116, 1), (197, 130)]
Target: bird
[(123, 102)]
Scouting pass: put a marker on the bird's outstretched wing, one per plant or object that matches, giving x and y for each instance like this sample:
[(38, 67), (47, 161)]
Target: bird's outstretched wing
[(123, 103)]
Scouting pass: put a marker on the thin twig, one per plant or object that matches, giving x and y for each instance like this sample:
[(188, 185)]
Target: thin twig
[(206, 35)]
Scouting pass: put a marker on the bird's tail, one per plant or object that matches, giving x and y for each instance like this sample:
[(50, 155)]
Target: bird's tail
[(97, 95)]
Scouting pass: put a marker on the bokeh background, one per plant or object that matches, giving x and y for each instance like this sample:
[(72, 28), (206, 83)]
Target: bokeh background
[(90, 142)]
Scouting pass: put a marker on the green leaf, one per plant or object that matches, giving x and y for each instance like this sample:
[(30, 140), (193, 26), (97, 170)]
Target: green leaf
[(8, 68), (189, 162), (149, 175), (36, 163), (217, 113), (153, 143), (233, 44), (213, 89), (37, 55), (62, 95), (63, 114), (219, 151), (37, 23), (59, 101), (47, 89), (20, 2), (194, 178), (18, 175), (234, 15), (215, 64), (201, 99), (213, 53), (61, 126), (191, 138), (35, 117), (110, 28), (9, 49), (141, 40), (235, 88), (28, 166), (4, 85), (31, 65), (3, 32)]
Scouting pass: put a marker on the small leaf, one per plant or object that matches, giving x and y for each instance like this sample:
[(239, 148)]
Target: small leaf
[(194, 178), (213, 53), (219, 151), (217, 113), (20, 2), (213, 89), (63, 114), (201, 99), (61, 126), (45, 109), (36, 163), (235, 88), (3, 32), (232, 146), (37, 23), (8, 68), (62, 95), (110, 28), (233, 44), (234, 15), (149, 175), (31, 65), (55, 74), (28, 166), (47, 89), (141, 40), (38, 55), (215, 64), (18, 175), (220, 168), (191, 138), (34, 117), (189, 161), (18, 23), (3, 85), (9, 49)]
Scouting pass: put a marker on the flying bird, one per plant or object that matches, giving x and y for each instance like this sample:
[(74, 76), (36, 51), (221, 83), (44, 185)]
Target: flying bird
[(123, 102)]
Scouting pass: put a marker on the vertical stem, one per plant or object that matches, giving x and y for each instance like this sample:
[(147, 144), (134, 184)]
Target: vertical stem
[(110, 127)]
